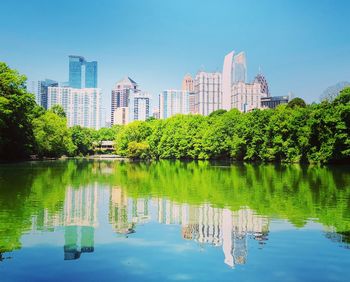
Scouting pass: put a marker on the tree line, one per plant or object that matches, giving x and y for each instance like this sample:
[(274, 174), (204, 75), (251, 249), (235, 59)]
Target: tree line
[(294, 132)]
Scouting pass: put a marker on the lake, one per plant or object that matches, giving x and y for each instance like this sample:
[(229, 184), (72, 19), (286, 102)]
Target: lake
[(170, 220)]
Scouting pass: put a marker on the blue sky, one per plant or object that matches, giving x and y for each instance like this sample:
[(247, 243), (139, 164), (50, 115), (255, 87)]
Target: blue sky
[(301, 46)]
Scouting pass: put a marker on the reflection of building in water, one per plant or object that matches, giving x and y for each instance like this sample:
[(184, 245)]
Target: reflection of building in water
[(80, 220), (125, 212), (118, 211), (77, 240), (140, 210), (215, 226)]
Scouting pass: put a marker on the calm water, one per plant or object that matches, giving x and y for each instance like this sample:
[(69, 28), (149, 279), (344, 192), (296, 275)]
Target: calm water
[(115, 221)]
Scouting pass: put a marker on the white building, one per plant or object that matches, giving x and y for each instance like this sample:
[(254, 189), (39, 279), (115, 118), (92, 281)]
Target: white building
[(82, 106), (121, 116), (234, 71), (172, 102), (246, 96), (207, 87), (121, 95), (139, 105)]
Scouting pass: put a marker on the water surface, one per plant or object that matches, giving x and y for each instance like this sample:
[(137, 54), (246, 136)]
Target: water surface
[(119, 221)]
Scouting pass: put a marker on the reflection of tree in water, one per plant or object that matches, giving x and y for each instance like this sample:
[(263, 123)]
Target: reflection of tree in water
[(341, 238), (34, 200)]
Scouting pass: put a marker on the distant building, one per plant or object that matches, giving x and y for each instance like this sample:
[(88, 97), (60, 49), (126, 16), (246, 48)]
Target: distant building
[(208, 92), (264, 87), (273, 102), (82, 74), (40, 90), (139, 105), (172, 102), (156, 113), (192, 98), (121, 115), (120, 95), (246, 96), (234, 71), (82, 106), (187, 83)]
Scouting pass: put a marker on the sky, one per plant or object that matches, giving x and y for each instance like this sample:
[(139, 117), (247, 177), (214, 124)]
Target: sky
[(300, 46)]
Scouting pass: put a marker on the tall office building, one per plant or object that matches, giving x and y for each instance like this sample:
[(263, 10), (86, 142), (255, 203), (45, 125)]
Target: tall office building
[(82, 106), (139, 106), (234, 71), (82, 74), (173, 102), (40, 89), (247, 96), (187, 83), (120, 96), (260, 78), (207, 88)]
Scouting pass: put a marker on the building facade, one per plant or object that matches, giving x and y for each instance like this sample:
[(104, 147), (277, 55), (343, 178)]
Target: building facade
[(208, 92), (82, 74), (187, 83), (82, 106), (246, 96), (121, 115), (172, 102), (234, 71), (139, 106), (273, 102), (120, 95)]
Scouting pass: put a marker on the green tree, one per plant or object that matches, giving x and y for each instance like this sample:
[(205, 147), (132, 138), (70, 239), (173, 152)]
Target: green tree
[(82, 139), (58, 110), (16, 114), (53, 138), (296, 102)]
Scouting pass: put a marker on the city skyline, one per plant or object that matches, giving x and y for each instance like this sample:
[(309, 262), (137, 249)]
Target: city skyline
[(293, 54)]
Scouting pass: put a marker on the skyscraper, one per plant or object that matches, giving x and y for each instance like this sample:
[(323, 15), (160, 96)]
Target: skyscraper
[(207, 88), (187, 83), (173, 102), (82, 74), (120, 95), (82, 106), (139, 105), (234, 70), (246, 96), (39, 89)]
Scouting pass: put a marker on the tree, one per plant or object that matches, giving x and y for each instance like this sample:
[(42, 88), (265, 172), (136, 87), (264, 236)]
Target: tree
[(297, 102), (16, 114), (58, 110), (138, 150), (52, 136), (82, 138)]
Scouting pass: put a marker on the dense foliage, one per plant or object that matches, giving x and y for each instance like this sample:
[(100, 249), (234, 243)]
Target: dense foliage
[(318, 133)]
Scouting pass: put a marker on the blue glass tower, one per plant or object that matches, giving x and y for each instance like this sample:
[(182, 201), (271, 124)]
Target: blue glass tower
[(82, 74), (91, 74)]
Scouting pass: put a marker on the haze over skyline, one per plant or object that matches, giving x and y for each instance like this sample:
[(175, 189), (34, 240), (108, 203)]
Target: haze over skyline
[(302, 47)]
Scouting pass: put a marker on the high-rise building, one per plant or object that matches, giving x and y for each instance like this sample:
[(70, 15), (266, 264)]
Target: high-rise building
[(247, 96), (120, 95), (139, 106), (82, 74), (234, 71), (121, 115), (260, 78), (187, 83), (207, 88), (173, 102), (39, 89), (192, 98), (82, 106)]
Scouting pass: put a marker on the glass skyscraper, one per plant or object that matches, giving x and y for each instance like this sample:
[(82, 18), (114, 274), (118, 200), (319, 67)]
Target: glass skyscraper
[(82, 74)]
